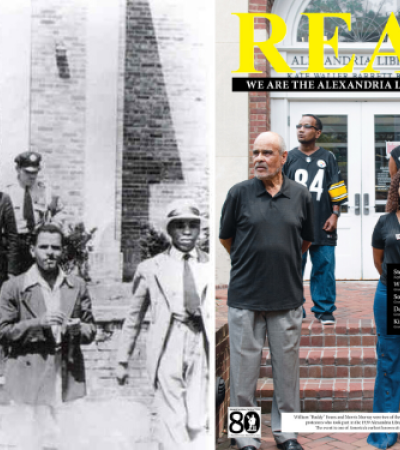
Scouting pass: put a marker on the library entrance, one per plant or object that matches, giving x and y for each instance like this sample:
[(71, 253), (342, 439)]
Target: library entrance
[(360, 134)]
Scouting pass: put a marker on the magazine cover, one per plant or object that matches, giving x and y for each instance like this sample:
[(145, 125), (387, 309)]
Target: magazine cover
[(105, 328), (322, 77)]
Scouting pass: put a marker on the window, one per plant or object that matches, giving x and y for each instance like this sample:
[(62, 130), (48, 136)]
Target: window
[(368, 19)]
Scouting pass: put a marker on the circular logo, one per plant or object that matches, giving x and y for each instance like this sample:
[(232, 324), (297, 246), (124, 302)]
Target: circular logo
[(321, 163), (252, 422)]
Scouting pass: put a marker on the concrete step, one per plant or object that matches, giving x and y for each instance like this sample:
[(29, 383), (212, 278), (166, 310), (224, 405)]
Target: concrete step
[(330, 362), (317, 394)]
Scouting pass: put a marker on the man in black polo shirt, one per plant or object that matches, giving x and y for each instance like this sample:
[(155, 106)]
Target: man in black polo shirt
[(266, 224)]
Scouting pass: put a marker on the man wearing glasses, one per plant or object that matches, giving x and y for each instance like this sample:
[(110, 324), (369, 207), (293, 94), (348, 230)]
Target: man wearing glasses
[(317, 169)]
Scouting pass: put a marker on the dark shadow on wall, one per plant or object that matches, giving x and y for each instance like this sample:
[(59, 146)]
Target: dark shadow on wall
[(150, 152)]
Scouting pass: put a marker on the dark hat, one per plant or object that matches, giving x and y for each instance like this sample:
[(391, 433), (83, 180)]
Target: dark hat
[(29, 161)]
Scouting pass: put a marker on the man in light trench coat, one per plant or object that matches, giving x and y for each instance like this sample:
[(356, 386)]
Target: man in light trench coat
[(174, 285)]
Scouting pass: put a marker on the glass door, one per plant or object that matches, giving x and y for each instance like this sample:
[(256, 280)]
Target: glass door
[(380, 125), (341, 135)]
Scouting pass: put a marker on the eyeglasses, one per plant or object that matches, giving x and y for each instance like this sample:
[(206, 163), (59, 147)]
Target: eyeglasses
[(306, 126)]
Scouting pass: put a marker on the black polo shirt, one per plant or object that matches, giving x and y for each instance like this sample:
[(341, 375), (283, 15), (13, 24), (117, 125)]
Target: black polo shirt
[(267, 235), (386, 236)]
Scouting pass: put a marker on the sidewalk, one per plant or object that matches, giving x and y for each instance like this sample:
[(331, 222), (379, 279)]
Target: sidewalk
[(116, 424), (354, 301)]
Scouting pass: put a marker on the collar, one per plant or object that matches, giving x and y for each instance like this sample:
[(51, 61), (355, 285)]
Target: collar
[(33, 277), (178, 255), (312, 156), (285, 188), (31, 188)]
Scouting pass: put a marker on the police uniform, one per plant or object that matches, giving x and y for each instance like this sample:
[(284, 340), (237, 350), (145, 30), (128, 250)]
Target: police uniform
[(319, 172), (33, 205)]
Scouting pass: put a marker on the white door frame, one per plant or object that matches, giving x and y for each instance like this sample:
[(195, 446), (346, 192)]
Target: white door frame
[(349, 251), (354, 253)]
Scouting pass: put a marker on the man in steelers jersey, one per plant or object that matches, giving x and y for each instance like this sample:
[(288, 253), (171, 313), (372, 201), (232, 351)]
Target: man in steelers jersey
[(316, 168)]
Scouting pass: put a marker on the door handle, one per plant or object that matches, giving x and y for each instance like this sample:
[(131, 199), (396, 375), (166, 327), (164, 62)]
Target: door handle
[(357, 204), (366, 204)]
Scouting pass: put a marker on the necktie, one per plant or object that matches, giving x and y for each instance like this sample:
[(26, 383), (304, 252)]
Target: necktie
[(28, 210), (191, 298)]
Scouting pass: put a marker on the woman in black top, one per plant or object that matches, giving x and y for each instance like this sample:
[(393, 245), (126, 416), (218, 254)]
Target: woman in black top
[(386, 250), (394, 161)]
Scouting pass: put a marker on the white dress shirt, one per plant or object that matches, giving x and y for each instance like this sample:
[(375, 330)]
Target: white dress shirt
[(178, 309)]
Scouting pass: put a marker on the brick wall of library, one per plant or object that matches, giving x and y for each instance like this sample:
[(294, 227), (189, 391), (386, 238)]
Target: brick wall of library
[(100, 363), (149, 143), (150, 150), (158, 120), (222, 369), (58, 104), (259, 103)]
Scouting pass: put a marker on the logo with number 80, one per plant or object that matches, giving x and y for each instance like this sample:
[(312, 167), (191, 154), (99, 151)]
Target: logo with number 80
[(244, 422)]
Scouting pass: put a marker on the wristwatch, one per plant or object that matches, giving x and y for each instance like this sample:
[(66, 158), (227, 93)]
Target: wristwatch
[(337, 213)]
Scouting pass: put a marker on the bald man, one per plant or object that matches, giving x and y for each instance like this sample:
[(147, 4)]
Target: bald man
[(266, 225)]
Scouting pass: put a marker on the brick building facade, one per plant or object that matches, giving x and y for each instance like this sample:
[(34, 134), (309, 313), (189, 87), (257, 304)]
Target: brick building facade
[(109, 93)]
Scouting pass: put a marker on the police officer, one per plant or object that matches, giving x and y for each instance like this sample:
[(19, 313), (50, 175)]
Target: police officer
[(33, 204)]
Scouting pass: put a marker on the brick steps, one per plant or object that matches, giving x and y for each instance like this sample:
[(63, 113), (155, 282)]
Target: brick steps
[(337, 367), (330, 362), (316, 394), (344, 333)]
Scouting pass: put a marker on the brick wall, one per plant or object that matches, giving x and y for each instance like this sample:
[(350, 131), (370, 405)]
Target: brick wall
[(165, 115), (58, 104), (100, 364), (120, 117), (150, 152), (222, 370), (259, 102), (182, 46), (161, 110)]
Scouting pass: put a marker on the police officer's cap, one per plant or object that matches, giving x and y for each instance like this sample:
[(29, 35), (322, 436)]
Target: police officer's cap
[(29, 161)]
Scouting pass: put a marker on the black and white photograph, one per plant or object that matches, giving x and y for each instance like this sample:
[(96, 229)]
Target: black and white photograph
[(106, 310)]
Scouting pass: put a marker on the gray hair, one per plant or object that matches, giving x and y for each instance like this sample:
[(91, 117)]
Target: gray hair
[(282, 145), (281, 142)]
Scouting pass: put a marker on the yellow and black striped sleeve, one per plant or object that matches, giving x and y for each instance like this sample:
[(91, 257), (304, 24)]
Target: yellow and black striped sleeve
[(338, 192)]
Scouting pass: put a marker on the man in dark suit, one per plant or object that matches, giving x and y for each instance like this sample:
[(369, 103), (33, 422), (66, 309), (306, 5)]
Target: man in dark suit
[(174, 285), (9, 261), (8, 239), (45, 315)]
